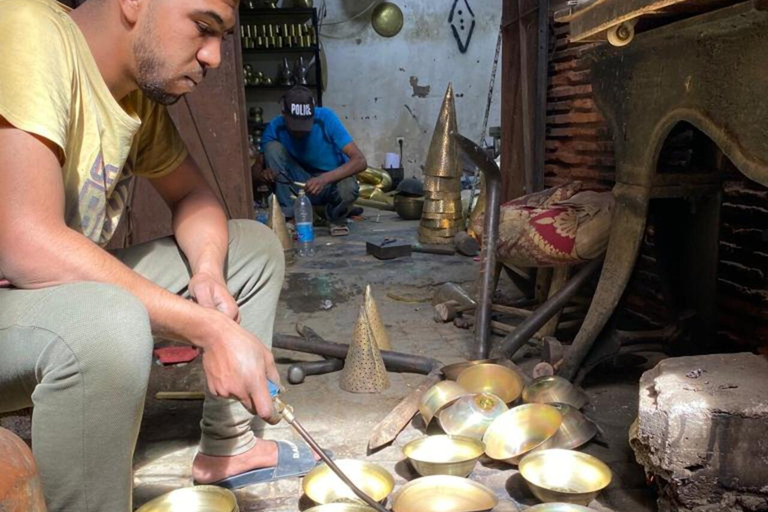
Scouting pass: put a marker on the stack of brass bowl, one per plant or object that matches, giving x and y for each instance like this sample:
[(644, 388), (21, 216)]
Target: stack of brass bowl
[(442, 215), (201, 498)]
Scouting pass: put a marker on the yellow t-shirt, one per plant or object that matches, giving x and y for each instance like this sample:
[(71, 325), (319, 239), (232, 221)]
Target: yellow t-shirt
[(50, 85)]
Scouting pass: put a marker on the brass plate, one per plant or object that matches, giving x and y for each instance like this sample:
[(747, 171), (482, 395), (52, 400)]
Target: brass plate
[(323, 486), (444, 455), (201, 498), (520, 430), (443, 493), (492, 378), (387, 19), (565, 476)]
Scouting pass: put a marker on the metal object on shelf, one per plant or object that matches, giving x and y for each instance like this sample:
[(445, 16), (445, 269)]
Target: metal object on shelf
[(285, 75), (444, 455), (520, 430), (565, 476), (387, 19), (443, 493), (300, 72)]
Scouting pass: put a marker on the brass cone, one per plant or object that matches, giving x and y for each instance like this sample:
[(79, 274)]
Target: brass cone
[(276, 221), (376, 326), (364, 370), (442, 157)]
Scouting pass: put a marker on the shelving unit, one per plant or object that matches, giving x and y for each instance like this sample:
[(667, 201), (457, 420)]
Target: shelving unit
[(267, 36)]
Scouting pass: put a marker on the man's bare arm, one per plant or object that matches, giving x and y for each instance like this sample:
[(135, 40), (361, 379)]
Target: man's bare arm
[(354, 165), (38, 250)]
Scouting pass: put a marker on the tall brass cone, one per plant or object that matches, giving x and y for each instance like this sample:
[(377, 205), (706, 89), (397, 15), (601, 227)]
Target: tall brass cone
[(364, 370), (376, 326), (276, 221)]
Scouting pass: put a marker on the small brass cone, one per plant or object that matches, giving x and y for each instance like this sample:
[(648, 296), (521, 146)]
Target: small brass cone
[(364, 370), (442, 157), (276, 221), (375, 324)]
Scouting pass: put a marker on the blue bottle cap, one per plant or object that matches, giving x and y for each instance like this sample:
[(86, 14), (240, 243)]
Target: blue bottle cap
[(274, 390)]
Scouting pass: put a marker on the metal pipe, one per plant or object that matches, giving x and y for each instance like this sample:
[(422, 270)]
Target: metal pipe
[(394, 361), (287, 413), (297, 372), (492, 176), (528, 327)]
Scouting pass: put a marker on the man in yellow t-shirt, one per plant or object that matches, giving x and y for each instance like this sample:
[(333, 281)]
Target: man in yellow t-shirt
[(82, 97)]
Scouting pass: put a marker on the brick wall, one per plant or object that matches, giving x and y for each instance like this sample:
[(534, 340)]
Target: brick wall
[(579, 146)]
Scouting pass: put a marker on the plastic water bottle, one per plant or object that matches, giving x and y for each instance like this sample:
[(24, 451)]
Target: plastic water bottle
[(305, 231)]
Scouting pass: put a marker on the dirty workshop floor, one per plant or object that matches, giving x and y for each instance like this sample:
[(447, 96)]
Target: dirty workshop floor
[(342, 421)]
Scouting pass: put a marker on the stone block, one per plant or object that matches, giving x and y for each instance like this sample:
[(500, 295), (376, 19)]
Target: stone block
[(702, 432)]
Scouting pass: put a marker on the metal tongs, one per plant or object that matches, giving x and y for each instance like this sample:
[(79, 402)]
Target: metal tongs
[(286, 412)]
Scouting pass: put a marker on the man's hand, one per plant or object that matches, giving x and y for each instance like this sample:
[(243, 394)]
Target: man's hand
[(212, 293), (237, 365), (268, 175), (316, 184)]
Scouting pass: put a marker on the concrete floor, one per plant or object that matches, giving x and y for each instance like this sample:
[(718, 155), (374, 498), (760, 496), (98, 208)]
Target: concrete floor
[(342, 421)]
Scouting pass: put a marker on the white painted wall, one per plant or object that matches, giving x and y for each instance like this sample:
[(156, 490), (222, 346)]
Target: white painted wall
[(369, 77)]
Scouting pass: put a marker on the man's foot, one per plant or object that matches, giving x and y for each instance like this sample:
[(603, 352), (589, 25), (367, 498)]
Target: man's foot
[(208, 469)]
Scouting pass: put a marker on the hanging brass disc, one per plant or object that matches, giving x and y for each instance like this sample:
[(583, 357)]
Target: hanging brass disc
[(387, 19)]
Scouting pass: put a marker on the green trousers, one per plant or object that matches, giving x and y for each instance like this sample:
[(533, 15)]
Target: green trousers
[(80, 355)]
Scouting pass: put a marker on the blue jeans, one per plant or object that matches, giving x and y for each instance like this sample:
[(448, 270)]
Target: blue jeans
[(337, 197)]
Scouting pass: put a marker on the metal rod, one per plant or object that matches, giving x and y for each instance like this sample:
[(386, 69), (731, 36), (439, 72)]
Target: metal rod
[(287, 413), (490, 239), (394, 361), (528, 327)]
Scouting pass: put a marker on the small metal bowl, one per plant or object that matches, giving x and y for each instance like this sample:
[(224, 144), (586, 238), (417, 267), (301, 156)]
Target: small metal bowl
[(201, 498), (565, 476), (558, 507), (408, 207), (554, 389), (341, 507), (520, 430), (444, 455), (452, 371), (574, 431), (443, 493), (471, 415), (437, 397), (323, 486), (492, 378)]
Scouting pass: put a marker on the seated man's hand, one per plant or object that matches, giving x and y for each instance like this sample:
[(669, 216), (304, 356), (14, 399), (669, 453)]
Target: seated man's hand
[(237, 365), (316, 185), (212, 293), (268, 175)]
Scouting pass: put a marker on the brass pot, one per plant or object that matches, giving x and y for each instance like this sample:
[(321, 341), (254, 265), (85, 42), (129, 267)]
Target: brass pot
[(471, 415), (565, 476), (409, 207), (437, 397), (444, 455), (520, 430), (443, 493), (201, 498), (323, 486), (492, 378)]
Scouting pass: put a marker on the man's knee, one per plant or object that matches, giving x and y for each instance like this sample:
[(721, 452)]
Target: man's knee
[(348, 190), (275, 154), (250, 238)]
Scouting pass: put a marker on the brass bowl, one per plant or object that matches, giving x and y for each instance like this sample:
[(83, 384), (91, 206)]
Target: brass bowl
[(452, 371), (387, 19), (565, 476), (444, 455), (201, 498), (471, 415), (409, 208), (492, 378), (437, 397), (520, 430), (341, 507), (323, 486), (443, 493), (554, 389), (558, 507), (574, 431)]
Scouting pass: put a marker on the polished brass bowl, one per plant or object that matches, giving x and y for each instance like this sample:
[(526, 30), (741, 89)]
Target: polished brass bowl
[(387, 19), (443, 493), (574, 431), (444, 455), (554, 389), (341, 507), (201, 498), (520, 430), (452, 371), (492, 378), (437, 397), (323, 486), (558, 507), (565, 476), (471, 415), (408, 207)]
